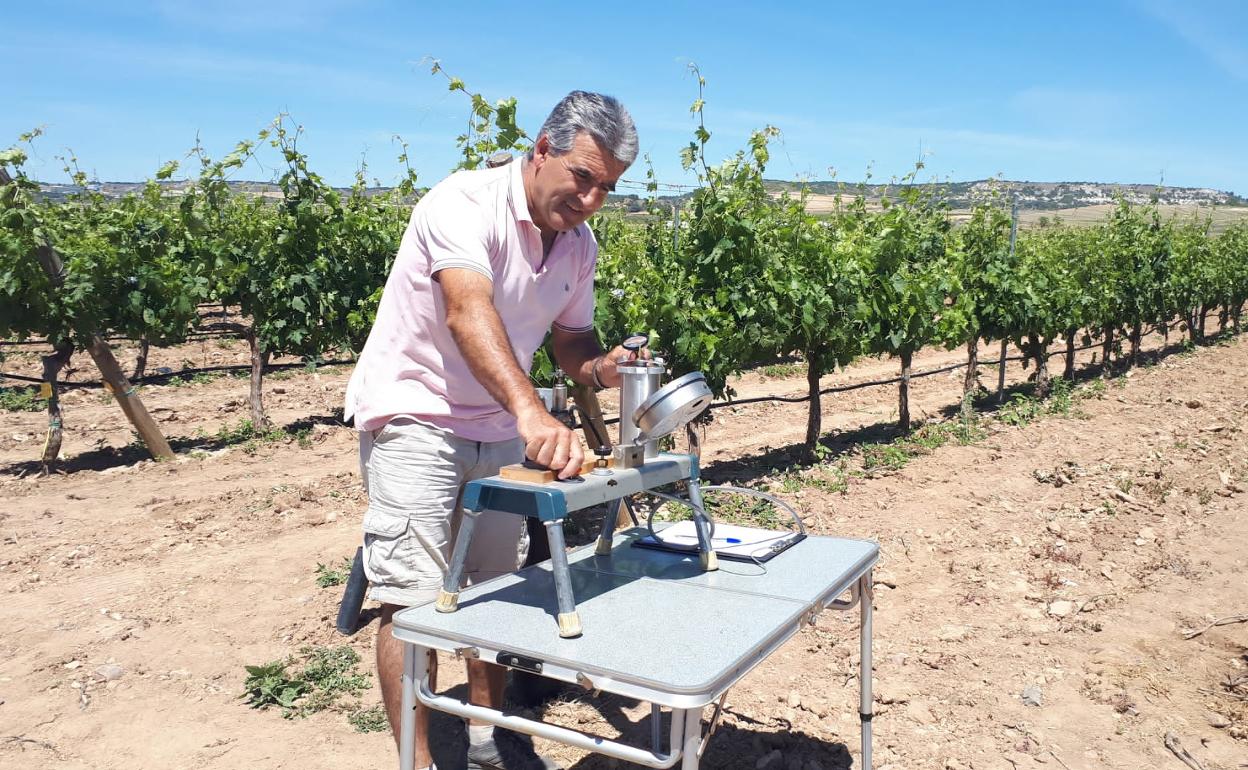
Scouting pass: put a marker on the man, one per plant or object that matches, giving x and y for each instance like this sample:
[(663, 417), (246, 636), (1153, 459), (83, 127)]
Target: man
[(490, 262)]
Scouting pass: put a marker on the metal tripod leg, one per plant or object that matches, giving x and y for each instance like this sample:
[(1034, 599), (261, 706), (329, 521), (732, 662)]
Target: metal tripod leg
[(448, 597), (702, 525), (603, 547), (569, 620)]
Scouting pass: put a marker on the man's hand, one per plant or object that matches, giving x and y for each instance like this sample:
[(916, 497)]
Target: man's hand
[(550, 444), (608, 369)]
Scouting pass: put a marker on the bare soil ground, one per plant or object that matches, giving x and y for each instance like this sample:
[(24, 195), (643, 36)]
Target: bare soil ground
[(1064, 558)]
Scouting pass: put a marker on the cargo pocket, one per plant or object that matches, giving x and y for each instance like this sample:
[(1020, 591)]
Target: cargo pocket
[(383, 523), (383, 543)]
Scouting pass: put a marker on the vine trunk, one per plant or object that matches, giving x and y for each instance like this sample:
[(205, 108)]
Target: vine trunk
[(971, 383), (1069, 371), (814, 409), (1107, 346), (259, 362), (1039, 348), (52, 366)]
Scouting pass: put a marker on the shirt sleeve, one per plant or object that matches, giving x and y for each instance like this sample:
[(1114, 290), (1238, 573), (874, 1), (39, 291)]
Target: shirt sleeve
[(456, 233), (578, 314)]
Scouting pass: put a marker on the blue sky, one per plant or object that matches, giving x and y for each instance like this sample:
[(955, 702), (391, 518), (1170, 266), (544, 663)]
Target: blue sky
[(1114, 91)]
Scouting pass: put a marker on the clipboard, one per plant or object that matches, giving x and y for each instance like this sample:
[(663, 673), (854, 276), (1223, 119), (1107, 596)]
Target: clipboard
[(729, 541)]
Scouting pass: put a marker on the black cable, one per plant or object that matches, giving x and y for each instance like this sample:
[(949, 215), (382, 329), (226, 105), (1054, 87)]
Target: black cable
[(179, 373), (896, 380), (613, 420)]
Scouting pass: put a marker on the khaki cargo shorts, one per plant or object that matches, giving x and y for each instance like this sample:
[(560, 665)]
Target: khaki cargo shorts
[(414, 475)]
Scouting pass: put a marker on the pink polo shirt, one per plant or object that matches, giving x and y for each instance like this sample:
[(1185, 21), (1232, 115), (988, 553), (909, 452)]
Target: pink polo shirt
[(410, 365)]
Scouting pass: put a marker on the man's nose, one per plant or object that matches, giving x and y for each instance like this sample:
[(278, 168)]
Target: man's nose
[(592, 199)]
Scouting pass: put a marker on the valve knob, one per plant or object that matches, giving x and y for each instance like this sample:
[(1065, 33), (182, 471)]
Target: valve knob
[(601, 465)]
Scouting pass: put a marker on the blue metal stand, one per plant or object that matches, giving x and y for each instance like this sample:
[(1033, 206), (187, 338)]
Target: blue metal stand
[(551, 503)]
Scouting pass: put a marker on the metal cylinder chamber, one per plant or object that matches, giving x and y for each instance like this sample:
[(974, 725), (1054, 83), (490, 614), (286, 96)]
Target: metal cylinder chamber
[(639, 380)]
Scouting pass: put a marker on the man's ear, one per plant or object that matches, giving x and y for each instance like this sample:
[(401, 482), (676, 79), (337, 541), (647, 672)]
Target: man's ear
[(541, 151)]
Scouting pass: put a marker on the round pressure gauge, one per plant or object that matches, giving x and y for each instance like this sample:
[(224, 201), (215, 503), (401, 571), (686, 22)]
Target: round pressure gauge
[(635, 342)]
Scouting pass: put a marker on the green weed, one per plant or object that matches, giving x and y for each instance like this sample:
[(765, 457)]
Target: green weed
[(827, 477), (327, 576), (1061, 397), (21, 400), (792, 481), (782, 371), (329, 674), (245, 431), (830, 478), (745, 510), (270, 685), (198, 378), (369, 720), (332, 673), (966, 430), (286, 374), (929, 437), (884, 457), (1021, 410)]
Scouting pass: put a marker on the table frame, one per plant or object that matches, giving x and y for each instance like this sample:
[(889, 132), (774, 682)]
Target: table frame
[(687, 739)]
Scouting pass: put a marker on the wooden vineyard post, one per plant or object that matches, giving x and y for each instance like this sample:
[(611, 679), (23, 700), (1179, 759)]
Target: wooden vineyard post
[(1001, 371), (903, 392), (1005, 343), (102, 354), (127, 398)]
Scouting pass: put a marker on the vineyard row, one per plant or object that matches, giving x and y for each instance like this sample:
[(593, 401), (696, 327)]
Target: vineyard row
[(739, 277)]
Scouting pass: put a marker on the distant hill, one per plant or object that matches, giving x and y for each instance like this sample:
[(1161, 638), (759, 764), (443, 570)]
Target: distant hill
[(60, 192), (1033, 196)]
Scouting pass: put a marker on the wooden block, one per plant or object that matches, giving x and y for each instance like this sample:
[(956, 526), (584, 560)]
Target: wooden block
[(533, 475)]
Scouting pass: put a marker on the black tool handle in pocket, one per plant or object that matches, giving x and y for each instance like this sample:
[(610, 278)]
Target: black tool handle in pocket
[(353, 596)]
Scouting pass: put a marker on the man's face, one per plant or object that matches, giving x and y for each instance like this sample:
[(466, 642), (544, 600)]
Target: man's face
[(567, 189)]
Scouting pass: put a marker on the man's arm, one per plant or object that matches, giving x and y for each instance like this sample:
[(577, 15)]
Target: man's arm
[(580, 355), (478, 331)]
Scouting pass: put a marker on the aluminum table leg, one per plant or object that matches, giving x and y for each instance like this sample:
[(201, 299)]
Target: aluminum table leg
[(693, 737), (866, 595), (407, 718)]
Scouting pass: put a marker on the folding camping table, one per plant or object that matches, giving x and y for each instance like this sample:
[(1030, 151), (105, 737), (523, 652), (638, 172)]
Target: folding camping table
[(656, 628)]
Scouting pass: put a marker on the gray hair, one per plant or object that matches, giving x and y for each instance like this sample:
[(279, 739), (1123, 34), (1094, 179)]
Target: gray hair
[(600, 116)]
